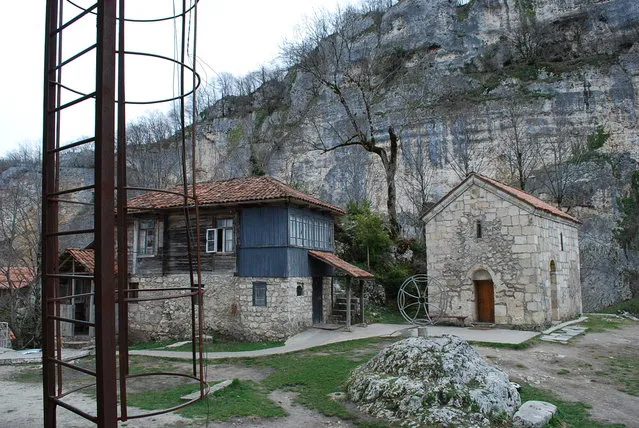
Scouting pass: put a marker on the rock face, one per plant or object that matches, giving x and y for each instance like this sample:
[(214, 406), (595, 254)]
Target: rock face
[(458, 66), (440, 380)]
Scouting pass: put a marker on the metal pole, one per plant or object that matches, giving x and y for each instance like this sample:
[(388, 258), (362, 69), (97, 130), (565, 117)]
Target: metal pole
[(123, 268), (49, 213), (106, 383)]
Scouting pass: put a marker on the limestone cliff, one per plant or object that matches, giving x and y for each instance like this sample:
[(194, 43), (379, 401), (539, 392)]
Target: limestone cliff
[(462, 71)]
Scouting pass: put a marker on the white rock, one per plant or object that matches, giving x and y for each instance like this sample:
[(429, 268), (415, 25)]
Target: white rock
[(534, 414), (432, 381)]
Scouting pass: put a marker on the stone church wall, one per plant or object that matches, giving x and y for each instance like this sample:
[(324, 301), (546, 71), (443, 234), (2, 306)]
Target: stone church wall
[(509, 249)]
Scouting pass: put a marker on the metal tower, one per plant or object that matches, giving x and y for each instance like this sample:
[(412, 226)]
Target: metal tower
[(106, 196)]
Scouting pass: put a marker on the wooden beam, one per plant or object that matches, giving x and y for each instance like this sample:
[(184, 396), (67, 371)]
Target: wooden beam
[(361, 300), (348, 304)]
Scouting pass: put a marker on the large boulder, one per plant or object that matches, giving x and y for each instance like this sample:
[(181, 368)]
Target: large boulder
[(439, 380)]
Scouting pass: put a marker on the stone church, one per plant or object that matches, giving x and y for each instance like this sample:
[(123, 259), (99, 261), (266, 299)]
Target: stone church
[(504, 256)]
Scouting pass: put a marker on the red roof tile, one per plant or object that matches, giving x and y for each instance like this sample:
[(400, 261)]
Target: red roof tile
[(85, 257), (528, 198), (335, 261), (229, 192), (16, 277)]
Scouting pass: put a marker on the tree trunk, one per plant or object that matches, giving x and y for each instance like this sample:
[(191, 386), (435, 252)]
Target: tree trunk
[(391, 169)]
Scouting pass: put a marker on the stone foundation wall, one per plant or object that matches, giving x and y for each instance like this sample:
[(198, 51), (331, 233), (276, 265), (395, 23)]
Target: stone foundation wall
[(228, 308), (514, 250)]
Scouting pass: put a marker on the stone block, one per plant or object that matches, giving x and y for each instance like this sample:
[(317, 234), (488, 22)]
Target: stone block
[(534, 414), (514, 230), (519, 240), (501, 310), (532, 306)]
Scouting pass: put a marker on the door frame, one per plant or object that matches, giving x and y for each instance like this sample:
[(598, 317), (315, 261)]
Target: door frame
[(485, 308), (317, 300)]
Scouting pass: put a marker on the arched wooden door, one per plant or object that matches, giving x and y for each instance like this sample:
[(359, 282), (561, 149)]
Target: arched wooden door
[(484, 296)]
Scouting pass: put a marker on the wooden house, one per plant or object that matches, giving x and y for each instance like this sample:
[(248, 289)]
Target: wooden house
[(77, 261), (266, 254)]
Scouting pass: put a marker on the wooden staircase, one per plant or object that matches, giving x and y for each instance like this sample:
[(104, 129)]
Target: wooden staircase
[(338, 314)]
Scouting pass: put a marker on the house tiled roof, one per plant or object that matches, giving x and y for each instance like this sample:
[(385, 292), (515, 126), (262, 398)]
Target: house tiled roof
[(230, 192), (528, 198), (335, 261), (16, 277), (85, 257)]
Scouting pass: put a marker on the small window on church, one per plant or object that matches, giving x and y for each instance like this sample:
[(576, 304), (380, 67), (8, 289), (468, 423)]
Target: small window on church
[(478, 226), (561, 240)]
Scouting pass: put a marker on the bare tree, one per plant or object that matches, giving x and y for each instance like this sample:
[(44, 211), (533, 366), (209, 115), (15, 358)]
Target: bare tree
[(521, 152), (153, 158), (381, 6), (466, 154), (560, 168), (326, 52), (416, 182), (19, 255), (26, 154), (527, 38), (226, 87)]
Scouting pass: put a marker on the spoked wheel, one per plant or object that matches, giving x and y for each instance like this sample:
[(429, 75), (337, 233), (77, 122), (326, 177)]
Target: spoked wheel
[(422, 300)]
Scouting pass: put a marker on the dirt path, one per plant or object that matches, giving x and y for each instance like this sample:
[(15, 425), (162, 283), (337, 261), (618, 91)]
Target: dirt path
[(298, 416), (582, 370), (21, 405)]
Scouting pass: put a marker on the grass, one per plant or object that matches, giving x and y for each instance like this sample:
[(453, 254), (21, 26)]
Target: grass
[(524, 345), (30, 373), (216, 345), (317, 372), (599, 324), (312, 373), (231, 346), (569, 413), (385, 314), (625, 370), (241, 398), (142, 364), (153, 344), (631, 306)]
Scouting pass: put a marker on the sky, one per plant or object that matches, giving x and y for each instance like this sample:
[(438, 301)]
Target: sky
[(236, 36)]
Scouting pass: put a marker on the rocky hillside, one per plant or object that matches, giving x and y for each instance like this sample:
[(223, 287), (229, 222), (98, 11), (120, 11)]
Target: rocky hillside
[(459, 82)]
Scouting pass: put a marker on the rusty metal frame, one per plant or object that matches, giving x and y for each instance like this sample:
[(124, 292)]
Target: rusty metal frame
[(110, 196)]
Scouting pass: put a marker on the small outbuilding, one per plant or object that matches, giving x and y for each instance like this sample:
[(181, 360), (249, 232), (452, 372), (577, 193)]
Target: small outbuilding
[(504, 256)]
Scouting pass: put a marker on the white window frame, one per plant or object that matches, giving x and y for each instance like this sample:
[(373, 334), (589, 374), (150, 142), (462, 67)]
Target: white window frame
[(140, 241), (310, 232), (228, 237)]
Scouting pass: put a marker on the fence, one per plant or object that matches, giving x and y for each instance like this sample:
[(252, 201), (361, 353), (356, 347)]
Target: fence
[(5, 339)]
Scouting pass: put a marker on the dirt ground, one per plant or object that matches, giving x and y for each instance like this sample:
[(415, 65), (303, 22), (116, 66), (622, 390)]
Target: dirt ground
[(578, 371)]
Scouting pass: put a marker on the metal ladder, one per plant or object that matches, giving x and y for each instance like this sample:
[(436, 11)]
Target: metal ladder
[(59, 97)]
